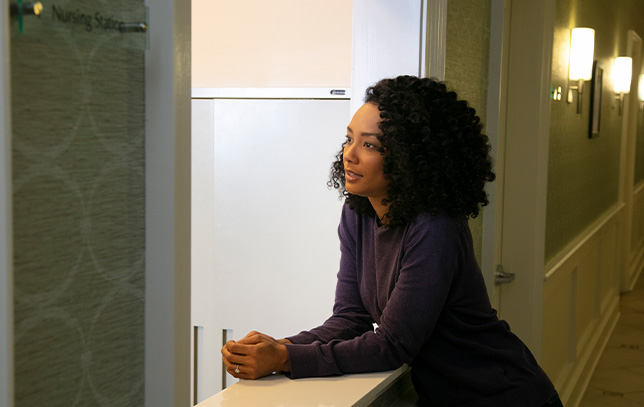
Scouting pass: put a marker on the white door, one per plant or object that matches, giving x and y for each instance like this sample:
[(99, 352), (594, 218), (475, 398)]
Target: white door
[(524, 134), (514, 222)]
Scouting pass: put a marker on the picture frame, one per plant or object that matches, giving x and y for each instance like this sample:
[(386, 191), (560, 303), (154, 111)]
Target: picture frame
[(596, 87)]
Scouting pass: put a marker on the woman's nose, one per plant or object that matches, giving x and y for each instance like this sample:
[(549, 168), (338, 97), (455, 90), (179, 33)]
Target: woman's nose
[(349, 154)]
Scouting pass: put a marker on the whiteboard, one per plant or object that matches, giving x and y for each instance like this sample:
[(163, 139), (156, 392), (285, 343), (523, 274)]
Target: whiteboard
[(265, 245)]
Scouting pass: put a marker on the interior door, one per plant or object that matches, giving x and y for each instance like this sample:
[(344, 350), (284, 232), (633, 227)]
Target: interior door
[(525, 119), (78, 197)]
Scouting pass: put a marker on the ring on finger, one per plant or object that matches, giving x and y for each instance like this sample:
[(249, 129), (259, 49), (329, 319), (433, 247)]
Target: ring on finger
[(237, 369)]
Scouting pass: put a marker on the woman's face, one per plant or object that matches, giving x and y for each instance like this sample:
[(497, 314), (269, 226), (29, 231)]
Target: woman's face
[(363, 156)]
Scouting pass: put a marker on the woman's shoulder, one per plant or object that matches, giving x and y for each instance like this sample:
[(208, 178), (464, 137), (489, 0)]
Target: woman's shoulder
[(438, 228), (352, 216), (432, 235), (440, 220), (351, 221), (349, 215)]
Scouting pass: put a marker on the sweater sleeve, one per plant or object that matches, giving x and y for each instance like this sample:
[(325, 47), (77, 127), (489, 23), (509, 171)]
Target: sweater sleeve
[(350, 318), (432, 254)]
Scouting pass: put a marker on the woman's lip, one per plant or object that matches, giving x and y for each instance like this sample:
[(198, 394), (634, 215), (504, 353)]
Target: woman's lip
[(351, 176)]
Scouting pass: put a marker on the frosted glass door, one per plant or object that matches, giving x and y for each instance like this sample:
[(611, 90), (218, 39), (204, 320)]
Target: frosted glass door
[(77, 90)]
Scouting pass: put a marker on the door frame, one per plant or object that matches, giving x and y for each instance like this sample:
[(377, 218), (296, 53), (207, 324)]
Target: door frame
[(6, 246), (495, 130), (167, 211)]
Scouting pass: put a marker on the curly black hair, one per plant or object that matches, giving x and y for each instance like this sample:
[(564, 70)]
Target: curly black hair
[(436, 157)]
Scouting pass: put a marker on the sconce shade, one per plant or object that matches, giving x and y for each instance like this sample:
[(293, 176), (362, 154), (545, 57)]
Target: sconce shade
[(582, 49), (641, 88), (622, 74)]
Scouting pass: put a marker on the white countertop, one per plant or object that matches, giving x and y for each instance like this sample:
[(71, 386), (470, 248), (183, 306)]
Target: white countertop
[(357, 390)]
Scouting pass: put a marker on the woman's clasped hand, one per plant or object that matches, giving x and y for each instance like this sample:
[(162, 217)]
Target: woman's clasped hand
[(256, 355)]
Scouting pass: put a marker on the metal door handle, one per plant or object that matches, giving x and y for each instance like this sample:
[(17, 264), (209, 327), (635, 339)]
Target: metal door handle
[(503, 277), (27, 9), (133, 27)]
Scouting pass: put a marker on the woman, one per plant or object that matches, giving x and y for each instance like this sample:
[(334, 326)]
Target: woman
[(413, 169)]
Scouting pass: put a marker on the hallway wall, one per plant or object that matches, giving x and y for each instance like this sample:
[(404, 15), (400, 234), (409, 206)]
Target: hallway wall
[(583, 180), (585, 218)]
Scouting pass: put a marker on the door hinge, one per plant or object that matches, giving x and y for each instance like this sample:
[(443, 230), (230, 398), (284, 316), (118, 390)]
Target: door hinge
[(502, 277)]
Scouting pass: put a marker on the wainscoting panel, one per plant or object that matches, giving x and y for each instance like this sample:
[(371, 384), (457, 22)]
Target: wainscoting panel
[(559, 327), (608, 264), (587, 296), (637, 238), (581, 297)]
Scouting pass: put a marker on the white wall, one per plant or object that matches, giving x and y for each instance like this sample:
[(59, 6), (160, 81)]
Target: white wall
[(279, 43)]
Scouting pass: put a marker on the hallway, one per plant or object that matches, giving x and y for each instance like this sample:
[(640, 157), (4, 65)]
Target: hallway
[(618, 380)]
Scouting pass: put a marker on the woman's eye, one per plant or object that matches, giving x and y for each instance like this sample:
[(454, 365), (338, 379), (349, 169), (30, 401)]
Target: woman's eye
[(371, 146), (349, 139)]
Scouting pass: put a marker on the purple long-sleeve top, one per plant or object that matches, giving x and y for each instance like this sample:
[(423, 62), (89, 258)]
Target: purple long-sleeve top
[(422, 286)]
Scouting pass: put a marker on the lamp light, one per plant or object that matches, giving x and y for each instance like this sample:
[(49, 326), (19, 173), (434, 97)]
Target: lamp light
[(622, 75), (582, 49)]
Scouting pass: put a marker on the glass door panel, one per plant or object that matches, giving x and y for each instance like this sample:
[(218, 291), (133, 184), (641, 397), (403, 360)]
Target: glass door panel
[(78, 116)]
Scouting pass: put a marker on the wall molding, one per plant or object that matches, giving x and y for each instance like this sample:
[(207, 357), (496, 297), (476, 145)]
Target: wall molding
[(272, 93), (553, 265)]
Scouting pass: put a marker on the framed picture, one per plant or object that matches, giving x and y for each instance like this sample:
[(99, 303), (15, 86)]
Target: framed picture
[(596, 86)]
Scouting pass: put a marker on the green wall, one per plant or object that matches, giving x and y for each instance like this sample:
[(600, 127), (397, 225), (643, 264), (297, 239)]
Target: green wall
[(583, 173), (466, 66)]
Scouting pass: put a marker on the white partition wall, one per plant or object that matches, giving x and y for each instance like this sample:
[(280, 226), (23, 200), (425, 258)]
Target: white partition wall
[(265, 247)]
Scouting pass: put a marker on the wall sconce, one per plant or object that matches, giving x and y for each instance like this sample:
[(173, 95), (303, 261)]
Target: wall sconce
[(622, 75), (582, 50)]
